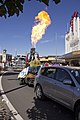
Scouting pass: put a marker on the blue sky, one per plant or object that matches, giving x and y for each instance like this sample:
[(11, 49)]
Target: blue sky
[(15, 32)]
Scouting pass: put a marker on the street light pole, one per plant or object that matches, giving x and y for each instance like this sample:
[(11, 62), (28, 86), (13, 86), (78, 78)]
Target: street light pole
[(56, 47)]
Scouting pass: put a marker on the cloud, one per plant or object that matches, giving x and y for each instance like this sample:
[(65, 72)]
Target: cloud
[(45, 41)]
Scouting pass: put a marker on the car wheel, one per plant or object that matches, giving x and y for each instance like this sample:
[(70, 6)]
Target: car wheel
[(39, 93), (26, 81), (21, 82), (29, 84), (77, 113)]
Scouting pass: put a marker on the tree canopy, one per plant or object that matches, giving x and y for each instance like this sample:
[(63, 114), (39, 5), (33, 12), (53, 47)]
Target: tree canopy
[(11, 7)]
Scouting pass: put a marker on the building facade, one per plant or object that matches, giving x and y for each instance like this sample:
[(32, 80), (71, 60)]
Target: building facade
[(72, 37), (19, 61), (4, 57)]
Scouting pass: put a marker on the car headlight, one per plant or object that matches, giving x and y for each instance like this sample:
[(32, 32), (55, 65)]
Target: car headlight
[(21, 75)]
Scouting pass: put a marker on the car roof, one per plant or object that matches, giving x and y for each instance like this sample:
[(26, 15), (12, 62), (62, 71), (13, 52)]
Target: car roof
[(64, 67)]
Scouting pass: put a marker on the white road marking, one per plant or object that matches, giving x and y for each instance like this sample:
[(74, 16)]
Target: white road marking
[(10, 106)]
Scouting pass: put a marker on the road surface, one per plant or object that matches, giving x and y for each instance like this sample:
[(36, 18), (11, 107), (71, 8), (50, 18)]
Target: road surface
[(28, 107)]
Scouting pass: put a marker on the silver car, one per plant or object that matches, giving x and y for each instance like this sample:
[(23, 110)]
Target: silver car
[(60, 83)]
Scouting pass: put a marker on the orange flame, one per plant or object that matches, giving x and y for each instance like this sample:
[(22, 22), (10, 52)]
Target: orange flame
[(42, 22)]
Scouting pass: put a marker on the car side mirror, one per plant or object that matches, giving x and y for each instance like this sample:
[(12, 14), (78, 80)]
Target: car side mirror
[(67, 82)]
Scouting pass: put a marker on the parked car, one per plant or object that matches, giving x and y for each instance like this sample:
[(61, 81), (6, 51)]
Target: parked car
[(61, 84), (27, 75)]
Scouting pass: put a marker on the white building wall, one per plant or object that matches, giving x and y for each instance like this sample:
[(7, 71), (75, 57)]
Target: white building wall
[(74, 28), (67, 42), (72, 39), (78, 19), (78, 27)]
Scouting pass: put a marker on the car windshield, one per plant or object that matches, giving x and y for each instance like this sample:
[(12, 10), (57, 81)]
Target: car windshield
[(76, 74)]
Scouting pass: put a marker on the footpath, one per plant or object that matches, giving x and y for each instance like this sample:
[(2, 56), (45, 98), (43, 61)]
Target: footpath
[(5, 113)]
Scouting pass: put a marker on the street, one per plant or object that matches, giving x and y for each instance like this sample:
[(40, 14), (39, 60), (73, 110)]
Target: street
[(24, 101)]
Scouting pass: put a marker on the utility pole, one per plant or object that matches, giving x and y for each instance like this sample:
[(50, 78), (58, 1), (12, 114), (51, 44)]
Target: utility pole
[(15, 52), (56, 46)]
